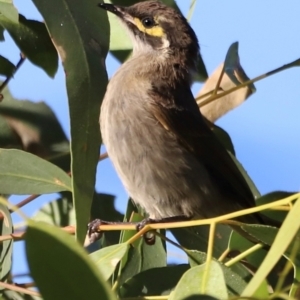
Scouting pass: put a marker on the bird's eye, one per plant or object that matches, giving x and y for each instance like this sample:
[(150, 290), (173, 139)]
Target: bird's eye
[(148, 22)]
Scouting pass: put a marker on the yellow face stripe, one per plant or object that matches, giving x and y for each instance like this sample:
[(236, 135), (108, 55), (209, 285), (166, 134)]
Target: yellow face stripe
[(154, 31)]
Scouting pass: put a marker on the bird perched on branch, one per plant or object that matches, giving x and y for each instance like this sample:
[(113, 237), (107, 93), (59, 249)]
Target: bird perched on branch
[(167, 157)]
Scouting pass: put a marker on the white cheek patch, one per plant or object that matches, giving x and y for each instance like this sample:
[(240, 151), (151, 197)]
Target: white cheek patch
[(165, 43)]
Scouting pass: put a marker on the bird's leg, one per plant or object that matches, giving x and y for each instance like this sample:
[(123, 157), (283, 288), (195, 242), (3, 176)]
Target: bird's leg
[(149, 237), (94, 233)]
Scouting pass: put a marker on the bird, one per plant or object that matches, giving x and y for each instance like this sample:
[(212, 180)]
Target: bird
[(167, 157)]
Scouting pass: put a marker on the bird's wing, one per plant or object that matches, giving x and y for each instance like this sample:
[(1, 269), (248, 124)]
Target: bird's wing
[(178, 113)]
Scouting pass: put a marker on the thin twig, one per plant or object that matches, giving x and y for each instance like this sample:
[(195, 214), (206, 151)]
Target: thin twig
[(103, 156), (243, 255), (26, 201), (219, 81), (8, 78), (16, 288), (18, 236), (246, 83)]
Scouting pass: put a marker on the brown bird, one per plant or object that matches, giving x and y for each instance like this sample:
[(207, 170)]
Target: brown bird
[(167, 157)]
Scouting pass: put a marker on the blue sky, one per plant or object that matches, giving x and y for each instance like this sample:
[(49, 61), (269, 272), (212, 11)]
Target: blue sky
[(265, 129)]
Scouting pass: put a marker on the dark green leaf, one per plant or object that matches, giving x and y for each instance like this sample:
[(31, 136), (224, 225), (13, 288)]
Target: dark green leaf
[(1, 34), (8, 12), (269, 198), (249, 181), (154, 256), (24, 173), (6, 247), (197, 238), (34, 42), (153, 282), (80, 32), (25, 124), (201, 74), (13, 295), (285, 236), (264, 234), (141, 256), (233, 68), (103, 207), (239, 244), (6, 67), (133, 264), (223, 137), (59, 212), (107, 259), (67, 272), (194, 282)]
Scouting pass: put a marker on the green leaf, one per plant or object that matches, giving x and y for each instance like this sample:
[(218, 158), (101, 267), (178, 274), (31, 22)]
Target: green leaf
[(80, 32), (59, 212), (238, 243), (249, 181), (25, 125), (6, 67), (67, 272), (132, 264), (197, 238), (107, 259), (147, 283), (201, 74), (284, 237), (234, 282), (204, 279), (24, 173), (154, 256), (34, 42), (222, 136), (1, 34), (141, 256), (233, 68), (269, 198), (6, 247), (13, 295), (8, 12)]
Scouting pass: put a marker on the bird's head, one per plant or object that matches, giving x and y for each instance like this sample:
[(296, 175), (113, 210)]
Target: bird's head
[(154, 26)]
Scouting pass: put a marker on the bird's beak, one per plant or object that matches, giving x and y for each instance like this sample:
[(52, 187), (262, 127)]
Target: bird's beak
[(117, 10), (122, 13)]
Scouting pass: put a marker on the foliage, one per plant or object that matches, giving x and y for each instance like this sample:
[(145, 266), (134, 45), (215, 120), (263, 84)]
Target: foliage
[(37, 158)]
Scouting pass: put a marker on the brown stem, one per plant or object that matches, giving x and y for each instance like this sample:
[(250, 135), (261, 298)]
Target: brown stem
[(18, 65), (26, 201), (16, 288), (103, 156), (215, 97)]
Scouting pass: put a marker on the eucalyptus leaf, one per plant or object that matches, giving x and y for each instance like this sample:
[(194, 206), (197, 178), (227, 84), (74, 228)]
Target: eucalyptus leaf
[(70, 273), (6, 247), (34, 42), (6, 66), (80, 33), (207, 279), (232, 75), (234, 282), (8, 12), (25, 125), (24, 173), (148, 283), (107, 259)]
